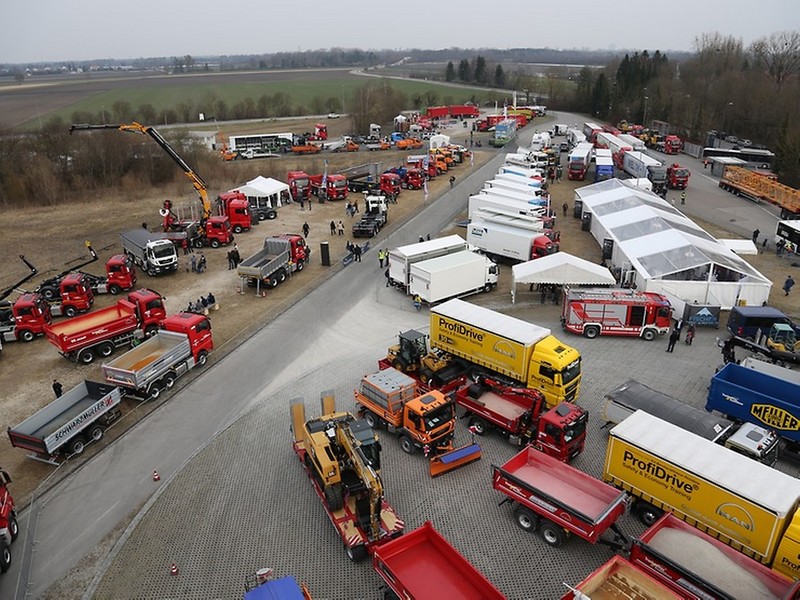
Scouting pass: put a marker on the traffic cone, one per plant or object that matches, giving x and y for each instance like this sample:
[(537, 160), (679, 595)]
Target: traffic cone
[(156, 476), (173, 570)]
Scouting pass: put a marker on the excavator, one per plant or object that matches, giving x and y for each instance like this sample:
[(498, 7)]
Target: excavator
[(410, 355), (342, 456)]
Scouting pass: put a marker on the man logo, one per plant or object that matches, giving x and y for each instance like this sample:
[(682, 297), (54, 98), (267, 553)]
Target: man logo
[(736, 515), (505, 349)]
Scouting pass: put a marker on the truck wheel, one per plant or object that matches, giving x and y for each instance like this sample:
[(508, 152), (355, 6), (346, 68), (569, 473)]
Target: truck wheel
[(300, 265), (281, 276), (552, 534), (150, 330), (202, 358), (356, 553), (648, 514), (151, 271), (400, 365), (272, 215), (70, 311), (591, 331), (96, 433), (425, 376), (26, 335), (105, 349), (487, 287), (114, 289), (169, 381), (334, 498), (5, 557), (237, 229), (77, 446), (13, 527), (86, 356), (214, 243), (273, 282), (154, 391), (49, 293), (479, 425), (406, 445), (648, 335), (526, 518), (261, 216), (372, 420)]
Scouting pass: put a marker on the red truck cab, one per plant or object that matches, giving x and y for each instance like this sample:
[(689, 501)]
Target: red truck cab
[(31, 313), (121, 273), (414, 179), (677, 177), (390, 184), (299, 185), (300, 251), (672, 144), (235, 206), (76, 295), (335, 186), (218, 232), (9, 528), (196, 327)]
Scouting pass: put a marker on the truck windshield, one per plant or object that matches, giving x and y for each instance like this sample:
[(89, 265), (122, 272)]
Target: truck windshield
[(439, 416), (572, 371), (339, 184), (164, 251), (575, 430)]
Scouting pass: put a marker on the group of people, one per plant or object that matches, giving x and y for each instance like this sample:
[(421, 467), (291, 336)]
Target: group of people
[(335, 228), (351, 208), (198, 264), (547, 292), (355, 250), (675, 335), (202, 303), (234, 258)]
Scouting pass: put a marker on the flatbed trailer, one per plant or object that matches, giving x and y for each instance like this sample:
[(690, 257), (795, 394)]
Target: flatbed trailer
[(423, 565)]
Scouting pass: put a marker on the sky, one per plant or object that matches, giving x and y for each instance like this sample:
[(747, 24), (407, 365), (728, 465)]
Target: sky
[(63, 30)]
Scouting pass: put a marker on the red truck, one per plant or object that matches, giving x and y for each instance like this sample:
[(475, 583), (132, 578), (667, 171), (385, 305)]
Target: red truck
[(677, 177), (215, 231), (605, 311), (672, 144), (120, 276), (424, 163), (9, 528), (299, 185), (519, 414), (437, 112), (558, 499), (236, 207), (463, 110), (99, 332), (388, 184), (423, 565), (414, 179), (335, 186)]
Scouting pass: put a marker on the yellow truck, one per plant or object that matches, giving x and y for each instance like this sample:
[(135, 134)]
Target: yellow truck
[(743, 503), (508, 349)]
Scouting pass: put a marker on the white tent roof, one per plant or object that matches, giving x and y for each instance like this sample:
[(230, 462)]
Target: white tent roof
[(740, 246), (560, 268), (262, 186)]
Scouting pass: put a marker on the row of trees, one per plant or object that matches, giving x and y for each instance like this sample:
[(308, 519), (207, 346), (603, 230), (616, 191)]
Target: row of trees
[(476, 72)]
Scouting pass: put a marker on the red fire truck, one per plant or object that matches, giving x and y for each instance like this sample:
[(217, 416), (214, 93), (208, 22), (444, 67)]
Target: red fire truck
[(593, 312)]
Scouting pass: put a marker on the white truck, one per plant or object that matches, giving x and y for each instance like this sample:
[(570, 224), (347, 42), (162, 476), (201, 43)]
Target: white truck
[(402, 257), (498, 240), (527, 172), (533, 160), (575, 137), (494, 202), (533, 197), (535, 193), (519, 180), (641, 165), (152, 251), (637, 144), (452, 276)]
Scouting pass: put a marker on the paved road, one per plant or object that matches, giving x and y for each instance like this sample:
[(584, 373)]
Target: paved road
[(227, 513)]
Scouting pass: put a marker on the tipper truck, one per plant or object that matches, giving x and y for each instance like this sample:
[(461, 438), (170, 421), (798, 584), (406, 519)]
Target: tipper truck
[(154, 365), (559, 500), (745, 504), (9, 528), (746, 438), (423, 565), (66, 425), (402, 257), (99, 332), (756, 397), (620, 578), (390, 399), (452, 275), (153, 252), (507, 348), (275, 262)]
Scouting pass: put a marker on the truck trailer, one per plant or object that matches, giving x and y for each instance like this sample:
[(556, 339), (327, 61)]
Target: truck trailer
[(151, 251), (491, 201), (402, 257), (497, 240), (620, 578), (452, 276), (640, 165), (507, 349), (747, 505)]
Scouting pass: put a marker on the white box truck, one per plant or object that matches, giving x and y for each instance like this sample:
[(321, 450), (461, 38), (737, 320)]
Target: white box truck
[(512, 243), (452, 276), (402, 257), (503, 203)]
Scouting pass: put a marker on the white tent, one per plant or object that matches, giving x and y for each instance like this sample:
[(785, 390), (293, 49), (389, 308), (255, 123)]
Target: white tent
[(561, 269), (264, 190)]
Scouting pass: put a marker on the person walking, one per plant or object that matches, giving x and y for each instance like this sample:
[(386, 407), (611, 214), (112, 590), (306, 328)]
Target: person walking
[(452, 181), (333, 227), (237, 258), (756, 233), (306, 229), (57, 388), (193, 260), (201, 263), (380, 257), (559, 170), (788, 285), (683, 197), (357, 252), (673, 337), (231, 264), (564, 208), (690, 334), (417, 302), (341, 228)]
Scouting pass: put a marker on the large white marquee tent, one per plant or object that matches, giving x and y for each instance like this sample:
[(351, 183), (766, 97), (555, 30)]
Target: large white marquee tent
[(655, 248), (264, 190)]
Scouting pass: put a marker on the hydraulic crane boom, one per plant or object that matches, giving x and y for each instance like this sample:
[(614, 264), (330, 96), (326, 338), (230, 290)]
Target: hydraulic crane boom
[(34, 271), (197, 181)]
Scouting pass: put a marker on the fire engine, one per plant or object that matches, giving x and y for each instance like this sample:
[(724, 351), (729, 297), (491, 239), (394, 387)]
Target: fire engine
[(593, 312)]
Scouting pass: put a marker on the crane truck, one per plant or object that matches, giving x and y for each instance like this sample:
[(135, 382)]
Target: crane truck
[(757, 186), (390, 399), (341, 455)]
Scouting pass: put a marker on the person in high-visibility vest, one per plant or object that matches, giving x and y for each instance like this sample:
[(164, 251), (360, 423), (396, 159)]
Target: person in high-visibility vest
[(683, 197)]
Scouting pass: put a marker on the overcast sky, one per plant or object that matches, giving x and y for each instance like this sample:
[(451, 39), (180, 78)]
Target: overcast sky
[(56, 30)]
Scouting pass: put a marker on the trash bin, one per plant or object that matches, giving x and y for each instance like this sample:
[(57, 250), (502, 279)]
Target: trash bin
[(586, 222), (325, 254), (577, 209)]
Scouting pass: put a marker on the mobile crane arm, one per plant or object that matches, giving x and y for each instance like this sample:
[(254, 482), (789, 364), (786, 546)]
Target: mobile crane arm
[(7, 292), (363, 466), (197, 181)]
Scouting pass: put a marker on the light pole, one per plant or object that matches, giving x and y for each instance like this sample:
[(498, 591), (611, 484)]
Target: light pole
[(644, 113), (725, 117)]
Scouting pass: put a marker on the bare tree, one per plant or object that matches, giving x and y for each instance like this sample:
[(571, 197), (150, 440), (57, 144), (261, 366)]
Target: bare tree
[(779, 54)]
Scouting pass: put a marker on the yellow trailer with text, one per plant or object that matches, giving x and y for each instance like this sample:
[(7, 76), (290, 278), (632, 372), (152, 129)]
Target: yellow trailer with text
[(743, 503)]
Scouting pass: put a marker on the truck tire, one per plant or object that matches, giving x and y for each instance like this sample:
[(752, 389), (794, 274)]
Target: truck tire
[(334, 497), (202, 358), (150, 330), (591, 331), (272, 215), (300, 265), (96, 433), (262, 216), (373, 420), (151, 271), (399, 364), (214, 243), (105, 349), (552, 534), (49, 293), (648, 514), (5, 557), (479, 425), (237, 229), (70, 311), (272, 282), (77, 445), (281, 276), (114, 289), (356, 553), (526, 519), (648, 335), (13, 527), (86, 356), (154, 391), (169, 380), (26, 335), (406, 445)]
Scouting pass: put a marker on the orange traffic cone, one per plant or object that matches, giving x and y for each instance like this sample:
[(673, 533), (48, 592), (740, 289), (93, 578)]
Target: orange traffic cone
[(173, 570), (156, 476)]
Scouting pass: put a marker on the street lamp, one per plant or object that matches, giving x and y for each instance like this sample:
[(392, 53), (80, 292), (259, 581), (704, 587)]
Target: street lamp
[(644, 114), (725, 117)]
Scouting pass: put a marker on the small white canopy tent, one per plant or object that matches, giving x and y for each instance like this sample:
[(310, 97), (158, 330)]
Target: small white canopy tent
[(560, 268), (264, 190)]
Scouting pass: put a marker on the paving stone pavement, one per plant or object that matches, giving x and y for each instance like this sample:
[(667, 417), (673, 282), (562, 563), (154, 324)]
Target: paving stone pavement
[(244, 502)]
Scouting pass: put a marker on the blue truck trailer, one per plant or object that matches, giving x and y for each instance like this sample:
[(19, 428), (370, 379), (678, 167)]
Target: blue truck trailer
[(756, 397)]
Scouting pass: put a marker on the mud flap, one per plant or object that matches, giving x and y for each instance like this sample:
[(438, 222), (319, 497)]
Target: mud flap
[(454, 459)]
